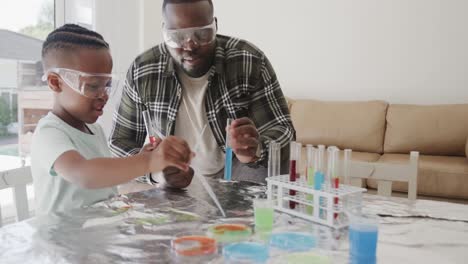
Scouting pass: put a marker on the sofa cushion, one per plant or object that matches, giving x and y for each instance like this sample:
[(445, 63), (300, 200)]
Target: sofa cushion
[(431, 130), (289, 101), (358, 126), (466, 147), (437, 176)]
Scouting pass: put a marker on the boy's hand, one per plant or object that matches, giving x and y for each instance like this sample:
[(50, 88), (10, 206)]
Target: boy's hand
[(172, 151), (150, 146)]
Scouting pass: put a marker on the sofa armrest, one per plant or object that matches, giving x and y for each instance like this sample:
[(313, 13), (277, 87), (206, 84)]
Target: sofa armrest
[(466, 147), (290, 102)]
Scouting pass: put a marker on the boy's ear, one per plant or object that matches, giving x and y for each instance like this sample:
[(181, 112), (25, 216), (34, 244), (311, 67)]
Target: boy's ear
[(54, 83)]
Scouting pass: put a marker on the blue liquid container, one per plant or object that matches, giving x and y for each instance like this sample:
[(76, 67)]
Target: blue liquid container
[(319, 178), (363, 243), (245, 252), (362, 260), (293, 242), (228, 164)]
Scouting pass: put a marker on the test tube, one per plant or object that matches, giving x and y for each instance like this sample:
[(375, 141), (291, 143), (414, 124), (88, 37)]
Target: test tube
[(228, 157), (310, 174), (310, 164), (274, 159), (320, 175), (330, 162), (298, 166), (299, 159), (319, 171), (346, 165), (335, 180), (293, 170), (150, 129)]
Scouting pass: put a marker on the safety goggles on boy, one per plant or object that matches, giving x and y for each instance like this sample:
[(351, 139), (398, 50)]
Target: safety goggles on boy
[(92, 85), (176, 38)]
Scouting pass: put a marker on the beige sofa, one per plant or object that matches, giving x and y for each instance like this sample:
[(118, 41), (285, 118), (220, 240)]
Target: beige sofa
[(380, 132)]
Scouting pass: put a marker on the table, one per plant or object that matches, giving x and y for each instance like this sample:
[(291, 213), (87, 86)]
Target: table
[(409, 232)]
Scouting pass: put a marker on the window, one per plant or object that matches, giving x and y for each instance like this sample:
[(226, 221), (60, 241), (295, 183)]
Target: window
[(24, 98)]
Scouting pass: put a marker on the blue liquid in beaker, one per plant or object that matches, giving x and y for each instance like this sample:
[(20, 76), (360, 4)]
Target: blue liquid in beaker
[(293, 242), (246, 252), (363, 241)]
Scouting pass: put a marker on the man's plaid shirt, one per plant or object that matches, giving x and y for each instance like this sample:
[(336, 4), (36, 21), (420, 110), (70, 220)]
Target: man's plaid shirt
[(241, 83)]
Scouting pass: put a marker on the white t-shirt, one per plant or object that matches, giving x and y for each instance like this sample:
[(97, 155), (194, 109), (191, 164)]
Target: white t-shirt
[(190, 121), (52, 138)]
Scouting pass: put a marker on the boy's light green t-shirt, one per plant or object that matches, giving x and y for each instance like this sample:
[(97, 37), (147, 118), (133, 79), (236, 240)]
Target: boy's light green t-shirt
[(52, 138)]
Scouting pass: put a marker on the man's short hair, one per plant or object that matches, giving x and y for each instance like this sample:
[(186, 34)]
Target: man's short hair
[(165, 2)]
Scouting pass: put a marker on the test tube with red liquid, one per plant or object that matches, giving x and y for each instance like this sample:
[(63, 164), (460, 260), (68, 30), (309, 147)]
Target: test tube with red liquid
[(335, 180), (293, 169)]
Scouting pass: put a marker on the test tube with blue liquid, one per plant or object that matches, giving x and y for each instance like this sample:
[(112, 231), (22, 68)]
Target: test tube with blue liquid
[(319, 170), (228, 157), (320, 175)]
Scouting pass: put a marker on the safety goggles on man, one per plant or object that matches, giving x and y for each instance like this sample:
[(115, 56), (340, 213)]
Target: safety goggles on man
[(176, 38), (92, 85)]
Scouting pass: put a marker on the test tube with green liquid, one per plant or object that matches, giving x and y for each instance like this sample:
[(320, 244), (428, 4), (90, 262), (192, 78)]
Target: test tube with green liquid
[(310, 175)]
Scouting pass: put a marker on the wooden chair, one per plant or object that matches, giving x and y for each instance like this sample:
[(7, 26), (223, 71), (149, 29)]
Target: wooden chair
[(384, 173), (17, 179)]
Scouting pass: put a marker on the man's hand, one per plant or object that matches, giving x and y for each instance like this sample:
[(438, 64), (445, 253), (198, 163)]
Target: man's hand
[(244, 139), (172, 151), (177, 178)]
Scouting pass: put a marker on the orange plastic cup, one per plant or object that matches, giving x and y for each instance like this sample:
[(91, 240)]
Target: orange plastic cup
[(190, 246)]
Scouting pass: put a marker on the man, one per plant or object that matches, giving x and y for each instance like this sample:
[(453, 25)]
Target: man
[(194, 82)]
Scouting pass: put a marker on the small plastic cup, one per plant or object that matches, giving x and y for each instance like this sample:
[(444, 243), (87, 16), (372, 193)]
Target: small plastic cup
[(363, 237), (194, 246), (228, 233), (263, 214), (292, 241)]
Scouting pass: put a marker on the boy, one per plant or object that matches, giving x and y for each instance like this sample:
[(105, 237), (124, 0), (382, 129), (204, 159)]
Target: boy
[(70, 159)]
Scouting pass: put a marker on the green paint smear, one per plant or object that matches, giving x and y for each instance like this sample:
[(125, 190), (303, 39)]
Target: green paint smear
[(310, 182), (152, 221)]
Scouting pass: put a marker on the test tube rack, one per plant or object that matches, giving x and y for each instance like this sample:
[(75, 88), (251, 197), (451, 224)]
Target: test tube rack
[(325, 211)]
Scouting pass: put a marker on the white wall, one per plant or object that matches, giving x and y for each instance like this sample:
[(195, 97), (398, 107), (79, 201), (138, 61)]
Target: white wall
[(130, 27), (403, 51)]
